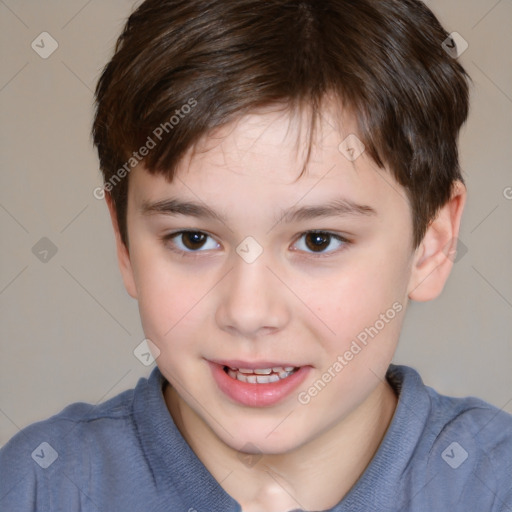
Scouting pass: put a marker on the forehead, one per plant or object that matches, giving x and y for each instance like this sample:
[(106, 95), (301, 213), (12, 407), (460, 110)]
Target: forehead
[(259, 157), (275, 140)]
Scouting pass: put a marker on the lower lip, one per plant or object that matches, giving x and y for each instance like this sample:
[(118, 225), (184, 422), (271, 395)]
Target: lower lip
[(257, 395)]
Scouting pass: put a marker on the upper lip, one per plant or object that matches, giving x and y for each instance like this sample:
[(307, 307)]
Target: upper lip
[(253, 365)]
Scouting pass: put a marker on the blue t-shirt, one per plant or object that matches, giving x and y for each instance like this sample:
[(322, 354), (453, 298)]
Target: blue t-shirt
[(126, 454)]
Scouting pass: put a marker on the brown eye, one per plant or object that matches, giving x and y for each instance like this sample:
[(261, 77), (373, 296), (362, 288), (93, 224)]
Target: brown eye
[(193, 240), (321, 242), (190, 241), (317, 241)]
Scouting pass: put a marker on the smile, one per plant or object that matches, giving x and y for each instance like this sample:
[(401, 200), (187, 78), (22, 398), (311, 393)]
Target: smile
[(260, 375), (262, 385)]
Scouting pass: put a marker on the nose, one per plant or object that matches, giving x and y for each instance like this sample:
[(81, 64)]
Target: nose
[(252, 301)]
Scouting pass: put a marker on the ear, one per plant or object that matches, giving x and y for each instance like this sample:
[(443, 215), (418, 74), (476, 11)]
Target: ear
[(434, 257), (123, 256)]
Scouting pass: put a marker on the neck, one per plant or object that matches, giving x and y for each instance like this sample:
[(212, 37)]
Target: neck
[(314, 476)]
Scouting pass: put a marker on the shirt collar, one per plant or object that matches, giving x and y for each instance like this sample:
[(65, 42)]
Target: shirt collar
[(377, 487), (175, 466), (173, 463)]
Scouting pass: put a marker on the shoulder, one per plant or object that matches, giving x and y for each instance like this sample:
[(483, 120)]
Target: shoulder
[(473, 449), (68, 423), (465, 449), (474, 420), (447, 415), (62, 443)]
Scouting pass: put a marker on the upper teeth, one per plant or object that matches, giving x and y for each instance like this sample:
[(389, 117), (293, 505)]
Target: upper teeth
[(260, 375), (266, 371)]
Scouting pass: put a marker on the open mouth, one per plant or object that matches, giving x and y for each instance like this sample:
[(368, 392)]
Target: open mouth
[(261, 375), (263, 384)]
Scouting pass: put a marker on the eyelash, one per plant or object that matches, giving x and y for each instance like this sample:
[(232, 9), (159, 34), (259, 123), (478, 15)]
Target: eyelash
[(345, 243)]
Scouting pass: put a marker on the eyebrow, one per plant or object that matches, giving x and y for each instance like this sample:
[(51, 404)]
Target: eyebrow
[(335, 208)]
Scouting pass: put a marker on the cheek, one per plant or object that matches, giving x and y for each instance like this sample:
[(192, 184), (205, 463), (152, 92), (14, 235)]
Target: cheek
[(356, 302), (169, 299)]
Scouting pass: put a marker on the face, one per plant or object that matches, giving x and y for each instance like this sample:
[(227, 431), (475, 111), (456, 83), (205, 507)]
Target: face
[(237, 264)]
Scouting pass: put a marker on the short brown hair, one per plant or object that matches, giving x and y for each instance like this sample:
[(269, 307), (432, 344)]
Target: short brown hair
[(383, 59)]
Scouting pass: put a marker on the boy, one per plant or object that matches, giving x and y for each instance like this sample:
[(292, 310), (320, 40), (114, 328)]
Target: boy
[(282, 178)]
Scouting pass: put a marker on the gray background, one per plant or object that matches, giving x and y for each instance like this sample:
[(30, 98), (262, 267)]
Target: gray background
[(68, 327)]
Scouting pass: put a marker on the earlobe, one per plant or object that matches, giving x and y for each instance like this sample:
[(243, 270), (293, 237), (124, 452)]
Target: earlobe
[(434, 257), (123, 255)]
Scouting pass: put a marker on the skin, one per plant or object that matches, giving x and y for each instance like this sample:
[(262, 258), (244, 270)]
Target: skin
[(290, 304)]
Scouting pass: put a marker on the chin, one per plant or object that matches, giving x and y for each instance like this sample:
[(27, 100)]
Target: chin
[(257, 442)]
